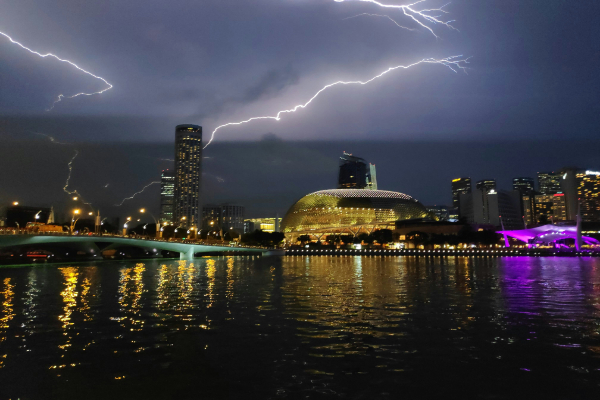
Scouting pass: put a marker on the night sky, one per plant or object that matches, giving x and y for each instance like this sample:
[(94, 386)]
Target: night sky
[(529, 101)]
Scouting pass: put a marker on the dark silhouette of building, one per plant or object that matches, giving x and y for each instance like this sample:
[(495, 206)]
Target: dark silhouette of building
[(492, 207), (486, 185), (225, 217), (355, 173), (188, 173), (526, 188), (524, 185), (460, 186), (167, 195)]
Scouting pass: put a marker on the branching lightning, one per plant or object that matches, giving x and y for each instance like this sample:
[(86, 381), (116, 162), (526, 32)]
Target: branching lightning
[(421, 17), (455, 63), (136, 193), (383, 16), (69, 176), (61, 96), (70, 166)]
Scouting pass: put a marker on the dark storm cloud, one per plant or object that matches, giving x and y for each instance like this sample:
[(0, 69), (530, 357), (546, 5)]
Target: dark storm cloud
[(533, 78), (211, 62)]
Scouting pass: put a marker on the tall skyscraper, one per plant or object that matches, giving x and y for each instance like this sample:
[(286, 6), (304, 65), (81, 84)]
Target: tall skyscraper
[(460, 186), (167, 193), (188, 173), (588, 191), (549, 182), (356, 174)]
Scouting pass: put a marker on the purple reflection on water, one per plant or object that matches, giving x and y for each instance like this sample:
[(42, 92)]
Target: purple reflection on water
[(552, 292)]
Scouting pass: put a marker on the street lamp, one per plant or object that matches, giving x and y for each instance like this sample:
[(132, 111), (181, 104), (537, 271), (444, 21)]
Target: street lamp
[(125, 226), (15, 203), (158, 231), (74, 220)]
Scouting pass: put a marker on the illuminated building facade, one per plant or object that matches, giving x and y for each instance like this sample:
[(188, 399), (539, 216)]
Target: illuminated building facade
[(588, 191), (549, 182), (460, 186), (349, 210), (355, 173), (188, 173), (441, 213), (264, 224), (550, 207), (167, 193)]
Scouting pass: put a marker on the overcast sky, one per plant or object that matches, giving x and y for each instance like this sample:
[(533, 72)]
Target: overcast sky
[(533, 73)]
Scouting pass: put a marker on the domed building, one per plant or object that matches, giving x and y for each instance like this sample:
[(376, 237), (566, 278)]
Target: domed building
[(350, 210)]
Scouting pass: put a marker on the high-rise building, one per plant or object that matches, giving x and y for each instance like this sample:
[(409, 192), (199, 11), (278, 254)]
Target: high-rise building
[(167, 193), (588, 191), (356, 174), (524, 185), (372, 182), (492, 207), (549, 182), (486, 185), (460, 186), (188, 173), (528, 203)]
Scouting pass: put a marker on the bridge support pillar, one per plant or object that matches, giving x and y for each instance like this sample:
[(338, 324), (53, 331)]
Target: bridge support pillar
[(188, 255)]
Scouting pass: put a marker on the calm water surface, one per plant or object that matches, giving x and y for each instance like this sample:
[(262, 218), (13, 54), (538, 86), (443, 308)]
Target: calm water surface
[(302, 328)]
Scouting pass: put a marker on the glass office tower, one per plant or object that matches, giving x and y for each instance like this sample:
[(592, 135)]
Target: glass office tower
[(188, 176)]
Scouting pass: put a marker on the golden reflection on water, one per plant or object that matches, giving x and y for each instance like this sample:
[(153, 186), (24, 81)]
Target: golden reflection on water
[(185, 284), (230, 279), (7, 313), (211, 271), (69, 296), (372, 296), (131, 289)]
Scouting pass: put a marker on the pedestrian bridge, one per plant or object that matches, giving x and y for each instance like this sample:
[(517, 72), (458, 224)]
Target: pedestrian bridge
[(94, 245)]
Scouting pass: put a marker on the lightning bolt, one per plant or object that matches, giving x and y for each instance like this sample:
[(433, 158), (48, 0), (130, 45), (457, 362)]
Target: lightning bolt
[(455, 63), (408, 10), (61, 96), (52, 139), (69, 176), (383, 16), (136, 193), (70, 166)]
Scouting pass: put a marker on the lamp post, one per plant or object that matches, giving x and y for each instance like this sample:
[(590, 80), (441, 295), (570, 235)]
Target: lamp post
[(125, 226), (74, 220), (158, 230)]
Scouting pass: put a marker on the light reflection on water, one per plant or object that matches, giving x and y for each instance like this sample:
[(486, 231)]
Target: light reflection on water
[(301, 327)]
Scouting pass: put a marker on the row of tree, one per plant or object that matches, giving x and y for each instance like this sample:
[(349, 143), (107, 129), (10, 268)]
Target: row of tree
[(465, 236)]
